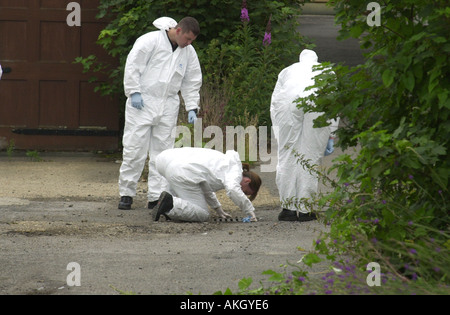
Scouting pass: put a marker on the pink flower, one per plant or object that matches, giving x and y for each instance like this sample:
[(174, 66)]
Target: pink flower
[(267, 39), (268, 35), (244, 12)]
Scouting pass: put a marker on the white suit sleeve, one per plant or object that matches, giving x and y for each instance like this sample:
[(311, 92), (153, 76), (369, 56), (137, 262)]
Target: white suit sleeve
[(192, 82), (136, 64), (277, 95), (1, 71), (238, 197), (210, 196)]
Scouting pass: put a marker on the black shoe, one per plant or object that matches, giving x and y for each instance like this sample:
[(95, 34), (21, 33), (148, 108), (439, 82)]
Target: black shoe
[(303, 217), (152, 204), (165, 204), (287, 215), (125, 203), (291, 215)]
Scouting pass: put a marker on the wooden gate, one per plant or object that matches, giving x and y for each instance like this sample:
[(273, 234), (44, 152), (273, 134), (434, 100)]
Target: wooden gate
[(46, 102)]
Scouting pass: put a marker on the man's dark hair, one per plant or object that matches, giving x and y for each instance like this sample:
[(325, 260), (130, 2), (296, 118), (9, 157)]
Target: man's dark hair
[(189, 24)]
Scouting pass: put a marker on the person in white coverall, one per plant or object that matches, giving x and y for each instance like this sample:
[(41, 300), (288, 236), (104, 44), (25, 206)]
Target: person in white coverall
[(297, 137), (194, 175), (161, 64)]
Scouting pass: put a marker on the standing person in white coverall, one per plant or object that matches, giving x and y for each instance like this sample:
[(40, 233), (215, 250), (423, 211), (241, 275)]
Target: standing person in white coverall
[(297, 136), (161, 64), (195, 174)]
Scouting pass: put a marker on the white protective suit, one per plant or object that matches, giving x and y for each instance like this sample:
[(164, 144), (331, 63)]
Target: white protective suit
[(195, 174), (1, 71), (158, 73), (296, 134)]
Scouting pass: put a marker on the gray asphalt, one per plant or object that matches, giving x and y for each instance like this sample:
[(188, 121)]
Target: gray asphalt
[(323, 32)]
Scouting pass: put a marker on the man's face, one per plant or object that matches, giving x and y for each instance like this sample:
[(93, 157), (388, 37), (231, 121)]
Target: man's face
[(184, 39)]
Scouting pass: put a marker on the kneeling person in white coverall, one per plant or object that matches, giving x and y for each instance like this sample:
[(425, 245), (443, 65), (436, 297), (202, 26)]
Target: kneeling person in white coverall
[(161, 64), (297, 135), (194, 175)]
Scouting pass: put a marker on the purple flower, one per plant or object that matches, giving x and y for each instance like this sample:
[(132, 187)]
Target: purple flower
[(244, 12), (413, 251), (268, 35), (244, 15), (301, 279), (267, 39), (410, 176)]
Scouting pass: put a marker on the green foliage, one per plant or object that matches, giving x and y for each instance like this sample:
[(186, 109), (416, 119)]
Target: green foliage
[(391, 203), (34, 156), (231, 52)]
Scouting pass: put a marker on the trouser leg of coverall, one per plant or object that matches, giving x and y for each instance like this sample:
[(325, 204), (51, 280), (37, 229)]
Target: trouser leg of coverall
[(289, 121), (136, 140), (311, 145), (161, 140), (189, 203)]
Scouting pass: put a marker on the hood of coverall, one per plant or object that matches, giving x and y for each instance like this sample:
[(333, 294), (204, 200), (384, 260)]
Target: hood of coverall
[(165, 23), (308, 56)]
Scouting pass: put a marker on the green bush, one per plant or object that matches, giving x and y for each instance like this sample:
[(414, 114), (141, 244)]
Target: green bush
[(391, 203)]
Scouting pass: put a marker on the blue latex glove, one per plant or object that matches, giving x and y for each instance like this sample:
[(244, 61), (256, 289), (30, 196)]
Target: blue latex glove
[(192, 117), (247, 219), (330, 147), (136, 101)]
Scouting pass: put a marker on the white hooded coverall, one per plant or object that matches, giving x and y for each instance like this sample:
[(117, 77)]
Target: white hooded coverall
[(158, 73), (195, 174), (296, 134)]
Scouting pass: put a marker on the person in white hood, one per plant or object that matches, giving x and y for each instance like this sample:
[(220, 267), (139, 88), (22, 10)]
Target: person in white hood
[(297, 137), (161, 64), (194, 175)]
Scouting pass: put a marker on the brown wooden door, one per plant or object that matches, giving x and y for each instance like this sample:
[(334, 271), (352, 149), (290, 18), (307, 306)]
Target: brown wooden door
[(46, 102)]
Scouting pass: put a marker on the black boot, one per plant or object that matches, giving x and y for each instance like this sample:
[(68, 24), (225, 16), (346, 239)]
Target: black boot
[(125, 203), (292, 215), (287, 215), (165, 204), (152, 204)]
